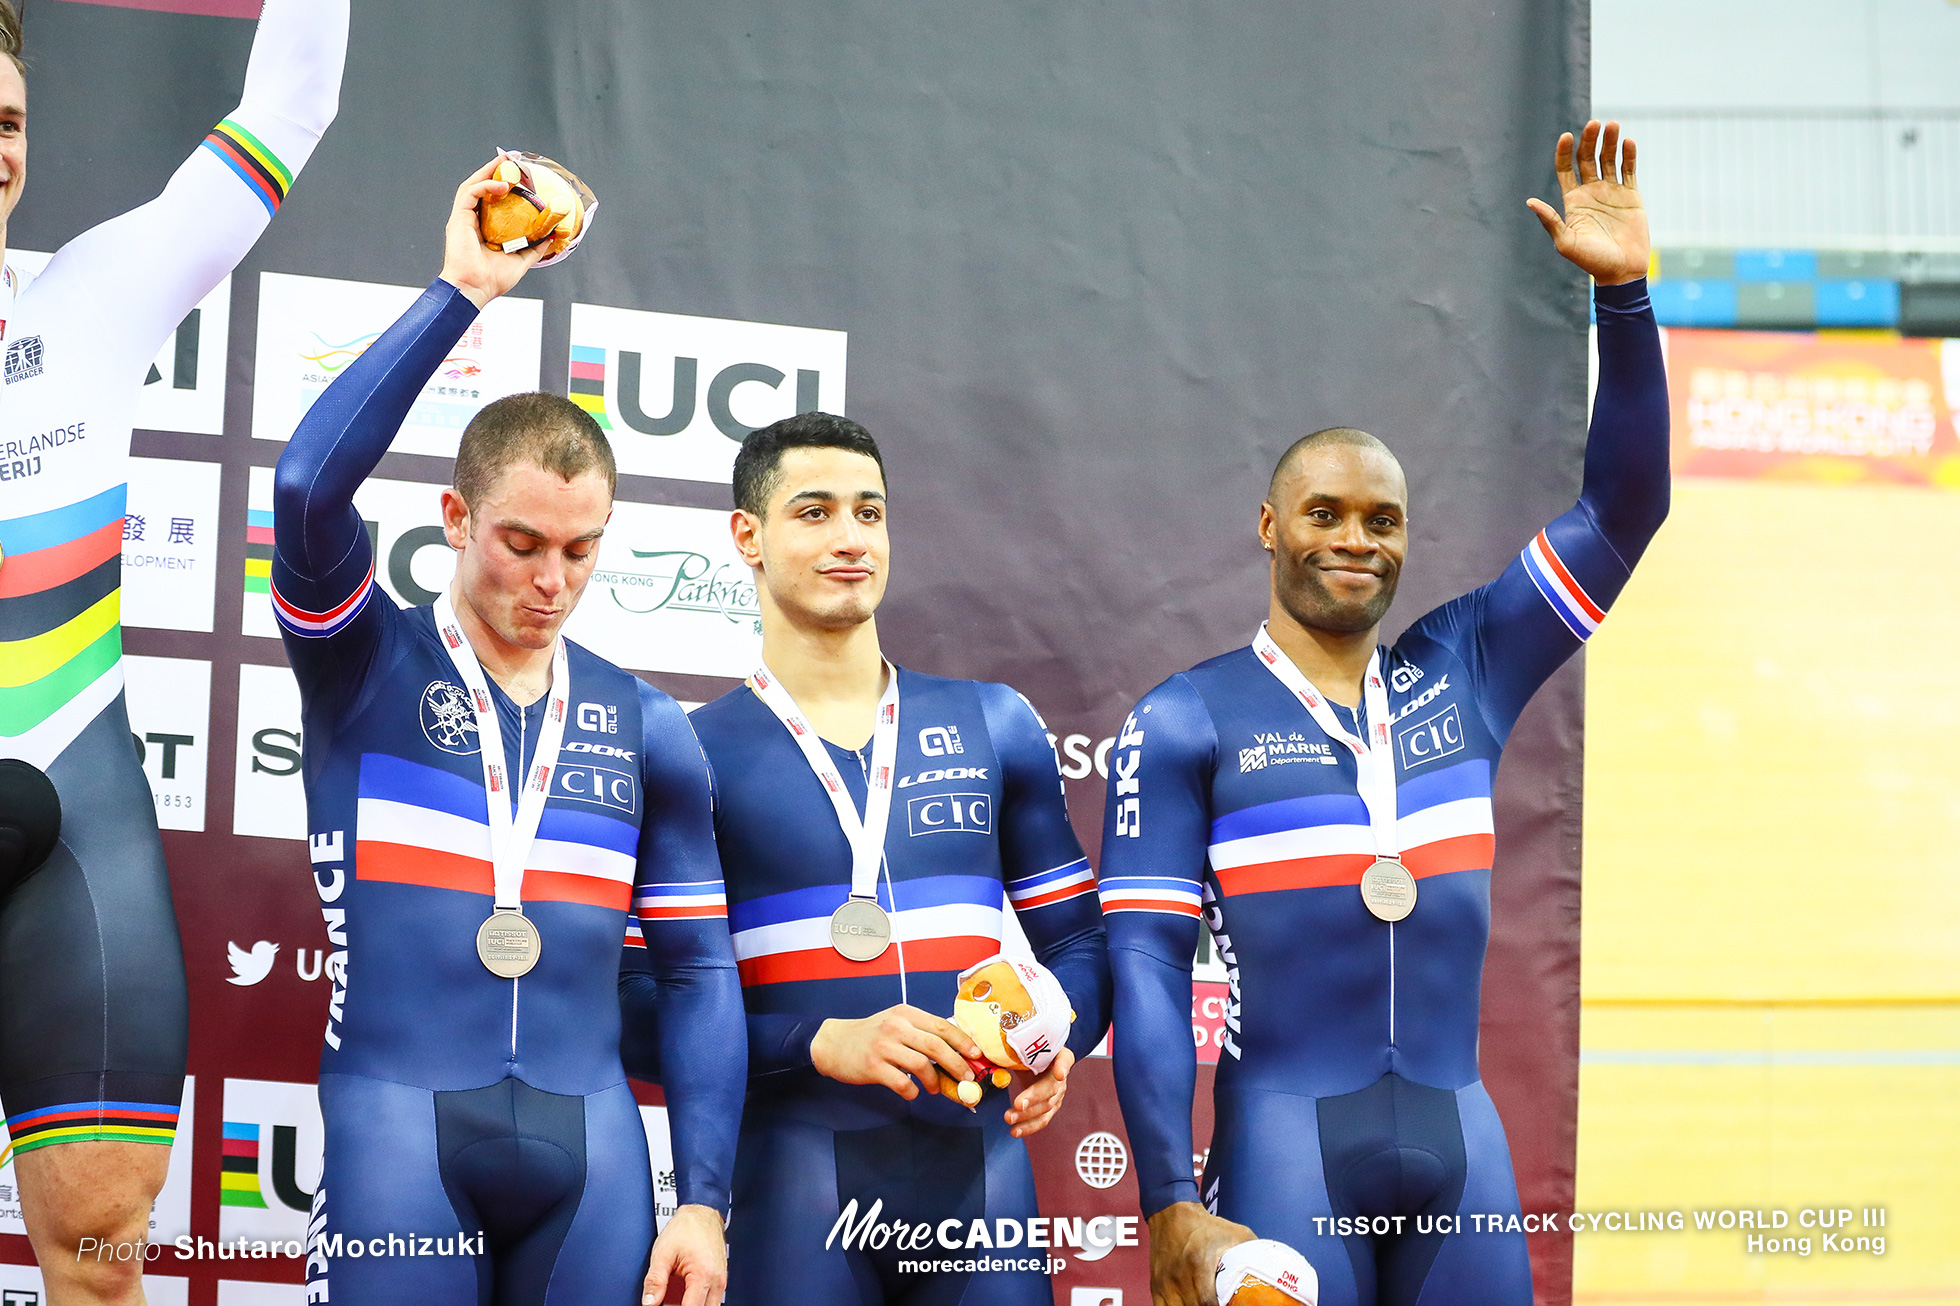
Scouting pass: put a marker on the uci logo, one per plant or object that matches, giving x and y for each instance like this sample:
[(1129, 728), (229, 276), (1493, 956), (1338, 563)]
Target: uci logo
[(599, 718), (938, 741), (951, 814)]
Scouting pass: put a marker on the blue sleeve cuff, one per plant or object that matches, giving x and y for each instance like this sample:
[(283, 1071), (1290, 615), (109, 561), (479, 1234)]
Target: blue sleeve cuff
[(1629, 297)]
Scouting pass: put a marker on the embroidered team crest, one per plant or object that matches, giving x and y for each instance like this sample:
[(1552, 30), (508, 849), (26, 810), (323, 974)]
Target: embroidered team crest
[(24, 358), (447, 719)]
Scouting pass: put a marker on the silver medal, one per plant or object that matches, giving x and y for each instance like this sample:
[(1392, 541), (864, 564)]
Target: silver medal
[(508, 944), (860, 930), (1388, 890)]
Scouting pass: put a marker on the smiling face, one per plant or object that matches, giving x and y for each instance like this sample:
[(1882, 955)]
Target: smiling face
[(527, 548), (1336, 521), (13, 137), (820, 545)]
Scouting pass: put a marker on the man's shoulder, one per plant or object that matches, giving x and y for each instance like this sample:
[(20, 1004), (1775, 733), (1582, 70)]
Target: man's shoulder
[(1224, 674)]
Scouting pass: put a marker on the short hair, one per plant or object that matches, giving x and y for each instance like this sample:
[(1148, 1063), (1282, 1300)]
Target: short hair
[(758, 468), (540, 428), (10, 36), (1343, 435)]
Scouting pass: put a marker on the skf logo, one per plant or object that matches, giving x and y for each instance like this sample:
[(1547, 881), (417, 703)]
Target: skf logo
[(1252, 759), (599, 718), (1129, 795), (24, 359), (939, 741), (248, 968), (951, 814), (1433, 737)]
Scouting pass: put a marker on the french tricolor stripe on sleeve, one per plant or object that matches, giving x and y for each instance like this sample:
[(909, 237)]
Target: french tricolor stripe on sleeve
[(694, 900), (319, 625), (1560, 587), (1170, 894), (1051, 886)]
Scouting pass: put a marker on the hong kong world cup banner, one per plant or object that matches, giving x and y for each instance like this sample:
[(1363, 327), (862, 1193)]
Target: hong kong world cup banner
[(1084, 271)]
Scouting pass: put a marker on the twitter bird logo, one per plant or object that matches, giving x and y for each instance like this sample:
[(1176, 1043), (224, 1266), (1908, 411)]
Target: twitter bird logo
[(250, 967)]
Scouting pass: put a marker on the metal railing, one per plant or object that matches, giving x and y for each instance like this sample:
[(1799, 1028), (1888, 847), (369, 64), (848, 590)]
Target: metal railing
[(1801, 179)]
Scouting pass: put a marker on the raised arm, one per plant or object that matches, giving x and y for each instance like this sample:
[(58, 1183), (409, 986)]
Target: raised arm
[(1515, 632), (322, 562), (149, 267)]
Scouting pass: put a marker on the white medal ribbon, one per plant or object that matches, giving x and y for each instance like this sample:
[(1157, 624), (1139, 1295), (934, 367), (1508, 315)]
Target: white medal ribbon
[(867, 835), (1374, 760), (510, 838)]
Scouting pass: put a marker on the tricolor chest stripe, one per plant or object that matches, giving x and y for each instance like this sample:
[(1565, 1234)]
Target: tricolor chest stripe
[(823, 899), (1289, 814), (959, 920), (824, 963)]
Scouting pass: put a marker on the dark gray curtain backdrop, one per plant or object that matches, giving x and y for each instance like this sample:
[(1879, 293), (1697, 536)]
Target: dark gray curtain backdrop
[(1099, 264)]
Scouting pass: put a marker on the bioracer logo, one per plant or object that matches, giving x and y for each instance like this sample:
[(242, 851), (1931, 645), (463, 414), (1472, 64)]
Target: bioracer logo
[(24, 359)]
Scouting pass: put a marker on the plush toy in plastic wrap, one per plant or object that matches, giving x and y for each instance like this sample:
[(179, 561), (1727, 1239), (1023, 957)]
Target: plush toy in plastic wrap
[(546, 205), (1265, 1273), (1016, 1011)]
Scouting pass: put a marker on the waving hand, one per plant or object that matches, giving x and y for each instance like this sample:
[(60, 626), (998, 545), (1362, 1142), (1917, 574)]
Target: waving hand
[(1604, 229)]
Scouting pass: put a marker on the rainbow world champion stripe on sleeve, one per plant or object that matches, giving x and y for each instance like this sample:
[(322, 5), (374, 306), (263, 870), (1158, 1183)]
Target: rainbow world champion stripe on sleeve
[(256, 166)]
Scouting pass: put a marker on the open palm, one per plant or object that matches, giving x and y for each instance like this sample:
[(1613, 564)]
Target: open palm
[(1604, 229)]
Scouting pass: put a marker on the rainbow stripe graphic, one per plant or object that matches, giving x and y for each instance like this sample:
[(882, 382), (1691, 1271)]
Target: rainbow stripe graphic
[(587, 383), (60, 621), (91, 1122), (258, 551), (256, 166), (238, 1179)]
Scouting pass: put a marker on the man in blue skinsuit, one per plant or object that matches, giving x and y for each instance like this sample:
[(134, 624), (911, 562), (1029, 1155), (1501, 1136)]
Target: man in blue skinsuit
[(1322, 804), (482, 1144), (927, 807)]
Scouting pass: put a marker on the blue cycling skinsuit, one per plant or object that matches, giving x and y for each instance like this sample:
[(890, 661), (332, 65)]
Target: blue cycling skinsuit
[(93, 1011), (978, 822), (489, 1118), (1349, 1084)]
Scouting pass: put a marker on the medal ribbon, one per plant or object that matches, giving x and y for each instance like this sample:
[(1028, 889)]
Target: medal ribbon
[(866, 836), (510, 839), (1374, 760)]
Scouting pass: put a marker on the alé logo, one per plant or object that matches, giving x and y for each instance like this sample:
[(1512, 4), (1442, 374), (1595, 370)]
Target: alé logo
[(696, 385)]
